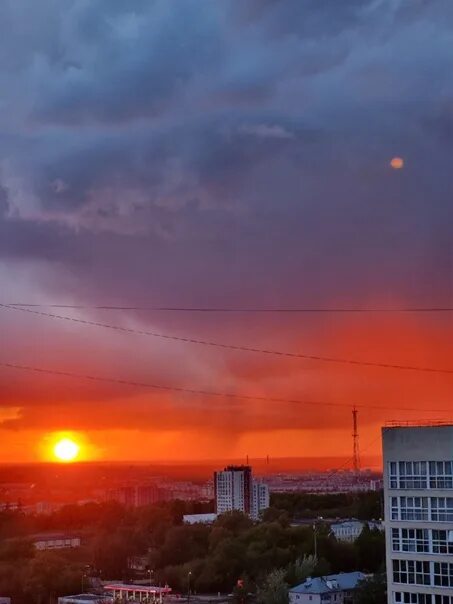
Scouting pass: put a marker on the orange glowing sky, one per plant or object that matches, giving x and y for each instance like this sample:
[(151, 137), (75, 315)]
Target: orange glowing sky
[(281, 154), (119, 422)]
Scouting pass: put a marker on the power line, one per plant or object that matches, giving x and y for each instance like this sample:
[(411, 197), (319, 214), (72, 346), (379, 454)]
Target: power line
[(222, 345), (220, 309), (351, 460), (212, 393)]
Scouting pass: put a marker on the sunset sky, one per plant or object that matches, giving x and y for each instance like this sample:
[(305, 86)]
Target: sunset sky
[(232, 154)]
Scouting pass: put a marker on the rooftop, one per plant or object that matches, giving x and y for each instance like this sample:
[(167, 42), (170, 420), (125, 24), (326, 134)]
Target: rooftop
[(86, 597), (417, 423), (350, 522), (199, 518), (331, 583), (141, 588), (52, 536)]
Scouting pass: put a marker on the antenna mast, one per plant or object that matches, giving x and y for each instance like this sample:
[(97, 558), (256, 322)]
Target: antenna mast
[(355, 440)]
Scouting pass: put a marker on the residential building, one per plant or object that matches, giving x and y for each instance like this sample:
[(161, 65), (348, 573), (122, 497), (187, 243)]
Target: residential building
[(85, 599), (350, 530), (260, 498), (418, 490), (137, 593), (47, 541), (235, 490), (199, 518), (134, 495), (333, 589), (138, 563)]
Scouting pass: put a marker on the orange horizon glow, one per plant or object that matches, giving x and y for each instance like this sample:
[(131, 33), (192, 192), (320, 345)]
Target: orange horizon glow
[(115, 422)]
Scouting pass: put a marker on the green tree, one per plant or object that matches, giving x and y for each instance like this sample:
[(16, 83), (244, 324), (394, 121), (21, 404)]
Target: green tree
[(370, 505), (274, 589), (16, 549), (184, 543), (236, 522), (299, 570), (48, 575), (370, 549), (372, 590)]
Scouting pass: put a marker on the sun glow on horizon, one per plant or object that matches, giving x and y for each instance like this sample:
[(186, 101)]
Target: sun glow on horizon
[(66, 450)]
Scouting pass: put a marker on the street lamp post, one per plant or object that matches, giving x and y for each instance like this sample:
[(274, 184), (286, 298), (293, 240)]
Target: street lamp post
[(189, 574), (151, 578), (315, 539)]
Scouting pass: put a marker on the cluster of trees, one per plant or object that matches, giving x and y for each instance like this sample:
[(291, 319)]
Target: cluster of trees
[(364, 506), (267, 556)]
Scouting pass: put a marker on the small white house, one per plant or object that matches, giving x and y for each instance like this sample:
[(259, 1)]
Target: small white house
[(85, 599), (349, 530), (333, 589), (199, 518), (46, 541)]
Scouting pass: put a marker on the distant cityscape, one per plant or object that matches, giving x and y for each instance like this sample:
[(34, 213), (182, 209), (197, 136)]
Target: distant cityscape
[(34, 497)]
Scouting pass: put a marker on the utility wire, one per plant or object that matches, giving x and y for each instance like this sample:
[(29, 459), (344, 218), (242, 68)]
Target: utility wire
[(213, 393), (350, 460), (222, 345), (220, 309)]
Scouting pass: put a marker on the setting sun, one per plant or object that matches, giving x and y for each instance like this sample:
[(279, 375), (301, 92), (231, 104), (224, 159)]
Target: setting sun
[(66, 450)]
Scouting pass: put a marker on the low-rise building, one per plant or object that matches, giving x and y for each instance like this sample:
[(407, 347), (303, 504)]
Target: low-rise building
[(136, 593), (138, 563), (350, 530), (85, 599), (333, 589), (46, 541), (199, 518)]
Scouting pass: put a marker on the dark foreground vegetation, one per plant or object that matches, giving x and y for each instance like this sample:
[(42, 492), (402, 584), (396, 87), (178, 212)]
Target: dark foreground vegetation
[(267, 556)]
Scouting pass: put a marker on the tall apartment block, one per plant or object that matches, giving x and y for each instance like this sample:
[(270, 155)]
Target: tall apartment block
[(260, 498), (134, 496), (418, 491), (235, 489)]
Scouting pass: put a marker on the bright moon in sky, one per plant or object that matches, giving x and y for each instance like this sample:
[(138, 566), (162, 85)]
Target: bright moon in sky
[(66, 450), (397, 163)]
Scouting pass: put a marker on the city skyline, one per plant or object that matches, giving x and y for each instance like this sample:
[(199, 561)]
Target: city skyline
[(244, 159)]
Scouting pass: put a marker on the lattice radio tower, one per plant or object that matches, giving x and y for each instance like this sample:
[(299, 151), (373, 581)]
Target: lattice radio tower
[(355, 441)]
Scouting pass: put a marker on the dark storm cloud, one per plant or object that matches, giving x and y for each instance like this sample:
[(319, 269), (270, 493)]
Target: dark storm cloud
[(261, 130), (139, 61), (231, 153)]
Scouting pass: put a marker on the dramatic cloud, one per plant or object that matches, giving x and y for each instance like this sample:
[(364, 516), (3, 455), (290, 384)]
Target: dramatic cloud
[(231, 154)]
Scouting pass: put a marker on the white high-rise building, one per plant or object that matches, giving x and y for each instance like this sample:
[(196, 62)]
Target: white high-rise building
[(235, 489), (260, 499), (418, 491)]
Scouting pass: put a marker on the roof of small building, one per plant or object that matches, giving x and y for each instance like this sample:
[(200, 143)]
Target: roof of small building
[(86, 597), (196, 518), (140, 588), (345, 523), (52, 536), (321, 585)]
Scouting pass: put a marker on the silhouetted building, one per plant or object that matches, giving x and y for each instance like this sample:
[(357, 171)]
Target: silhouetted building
[(135, 495)]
